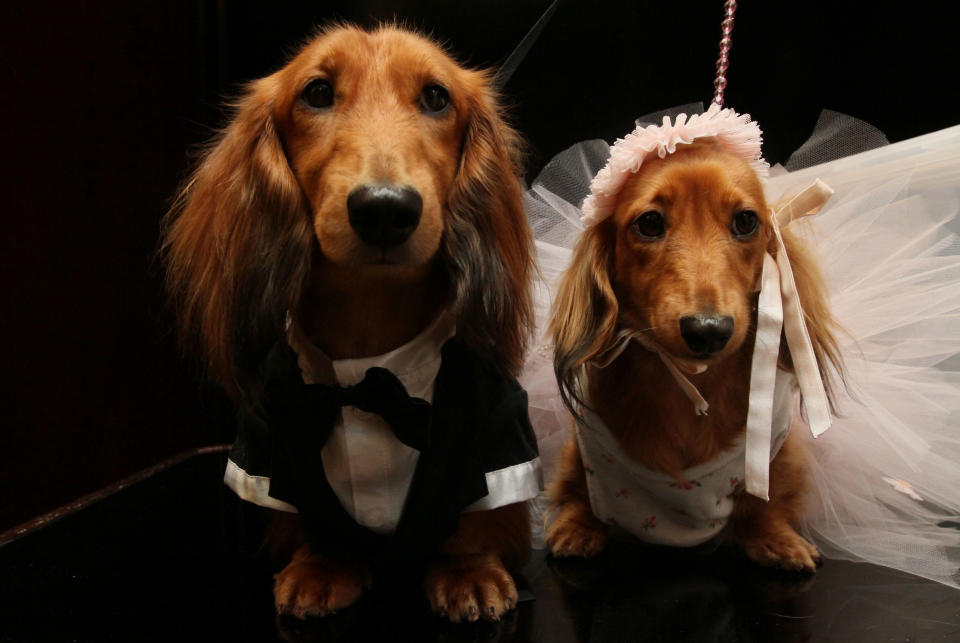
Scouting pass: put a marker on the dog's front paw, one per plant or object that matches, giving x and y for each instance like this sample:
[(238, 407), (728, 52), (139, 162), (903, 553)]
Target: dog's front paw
[(467, 588), (783, 548), (575, 531), (313, 585)]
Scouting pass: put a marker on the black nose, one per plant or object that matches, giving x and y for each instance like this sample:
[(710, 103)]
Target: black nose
[(384, 215), (706, 333)]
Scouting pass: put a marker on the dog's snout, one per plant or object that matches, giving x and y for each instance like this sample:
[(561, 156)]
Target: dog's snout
[(384, 215), (706, 334)]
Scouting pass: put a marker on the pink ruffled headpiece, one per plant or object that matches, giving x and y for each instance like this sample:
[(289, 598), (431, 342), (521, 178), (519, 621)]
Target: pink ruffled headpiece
[(735, 132)]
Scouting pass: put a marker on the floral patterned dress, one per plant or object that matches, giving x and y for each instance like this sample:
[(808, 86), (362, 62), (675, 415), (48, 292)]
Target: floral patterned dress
[(658, 508)]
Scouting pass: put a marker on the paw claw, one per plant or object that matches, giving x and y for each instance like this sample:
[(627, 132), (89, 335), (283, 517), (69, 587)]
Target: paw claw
[(466, 590), (576, 532), (313, 586), (785, 549)]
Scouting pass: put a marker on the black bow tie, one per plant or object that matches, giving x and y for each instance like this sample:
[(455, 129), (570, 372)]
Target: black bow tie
[(314, 408), (298, 419), (379, 392), (301, 418)]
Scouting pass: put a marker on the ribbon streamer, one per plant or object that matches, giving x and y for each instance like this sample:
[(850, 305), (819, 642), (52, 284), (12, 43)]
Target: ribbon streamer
[(763, 379), (781, 307), (807, 201)]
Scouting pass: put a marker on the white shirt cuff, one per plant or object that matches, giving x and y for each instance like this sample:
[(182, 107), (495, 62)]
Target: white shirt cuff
[(509, 485)]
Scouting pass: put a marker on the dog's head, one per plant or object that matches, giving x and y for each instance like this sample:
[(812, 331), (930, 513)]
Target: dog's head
[(680, 259), (372, 156), (689, 233)]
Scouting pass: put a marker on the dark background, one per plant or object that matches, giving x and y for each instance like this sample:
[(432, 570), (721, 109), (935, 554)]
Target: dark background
[(104, 103)]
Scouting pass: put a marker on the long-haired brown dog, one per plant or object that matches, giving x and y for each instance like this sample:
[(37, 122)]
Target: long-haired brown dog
[(686, 241), (365, 187)]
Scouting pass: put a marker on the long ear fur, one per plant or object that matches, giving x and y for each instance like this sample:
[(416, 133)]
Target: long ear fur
[(237, 245), (821, 324), (488, 247), (585, 311)]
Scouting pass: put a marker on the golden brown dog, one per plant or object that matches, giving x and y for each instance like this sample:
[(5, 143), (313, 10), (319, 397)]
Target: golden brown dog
[(284, 215), (680, 259)]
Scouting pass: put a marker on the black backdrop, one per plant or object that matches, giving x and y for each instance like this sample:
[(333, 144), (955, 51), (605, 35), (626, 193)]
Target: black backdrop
[(103, 102)]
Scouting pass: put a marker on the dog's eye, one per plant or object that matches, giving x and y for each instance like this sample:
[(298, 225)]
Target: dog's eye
[(319, 93), (434, 99), (650, 225), (745, 223)]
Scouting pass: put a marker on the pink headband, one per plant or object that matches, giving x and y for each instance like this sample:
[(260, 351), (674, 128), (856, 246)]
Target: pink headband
[(735, 132)]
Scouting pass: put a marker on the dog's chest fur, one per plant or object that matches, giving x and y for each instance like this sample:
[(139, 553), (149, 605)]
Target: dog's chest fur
[(653, 420)]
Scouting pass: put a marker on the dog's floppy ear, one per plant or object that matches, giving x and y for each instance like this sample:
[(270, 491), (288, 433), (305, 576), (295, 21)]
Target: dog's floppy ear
[(821, 324), (488, 246), (585, 311), (237, 244)]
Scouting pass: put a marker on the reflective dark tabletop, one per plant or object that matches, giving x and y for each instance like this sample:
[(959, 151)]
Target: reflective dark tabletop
[(174, 556)]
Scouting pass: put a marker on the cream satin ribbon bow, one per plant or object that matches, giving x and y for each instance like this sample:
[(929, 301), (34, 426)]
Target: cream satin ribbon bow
[(778, 308), (774, 312)]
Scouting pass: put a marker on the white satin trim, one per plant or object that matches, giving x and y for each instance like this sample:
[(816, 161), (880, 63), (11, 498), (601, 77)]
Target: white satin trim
[(255, 489), (516, 483)]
